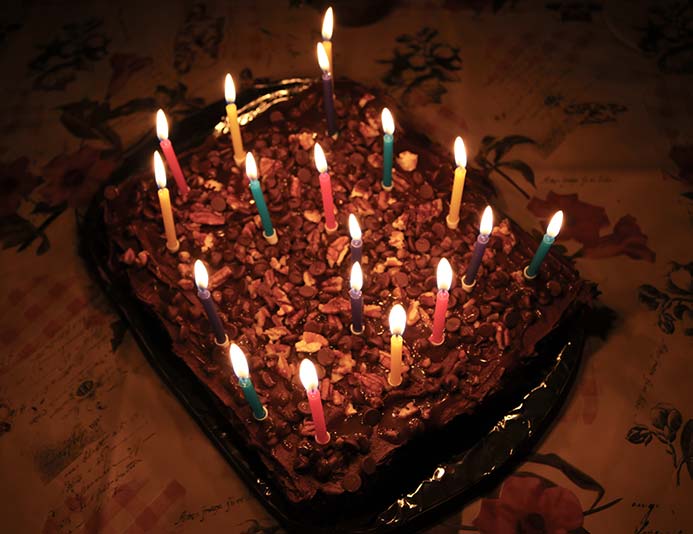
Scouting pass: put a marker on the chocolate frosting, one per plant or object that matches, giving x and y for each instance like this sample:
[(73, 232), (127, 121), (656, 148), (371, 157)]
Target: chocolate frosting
[(288, 301)]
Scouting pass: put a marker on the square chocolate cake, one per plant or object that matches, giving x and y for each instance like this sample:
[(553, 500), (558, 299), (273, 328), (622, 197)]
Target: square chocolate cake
[(288, 301)]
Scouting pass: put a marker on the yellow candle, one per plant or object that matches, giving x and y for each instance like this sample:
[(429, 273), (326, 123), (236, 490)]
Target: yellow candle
[(327, 27), (232, 120), (172, 243), (453, 218), (398, 320)]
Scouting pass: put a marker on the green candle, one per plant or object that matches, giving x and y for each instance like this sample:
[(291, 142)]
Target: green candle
[(551, 232), (388, 144), (240, 367), (256, 190)]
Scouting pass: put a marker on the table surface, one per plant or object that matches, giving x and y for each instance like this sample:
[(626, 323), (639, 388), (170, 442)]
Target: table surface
[(585, 106)]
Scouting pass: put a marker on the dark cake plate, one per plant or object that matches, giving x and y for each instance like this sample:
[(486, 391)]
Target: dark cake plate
[(437, 472)]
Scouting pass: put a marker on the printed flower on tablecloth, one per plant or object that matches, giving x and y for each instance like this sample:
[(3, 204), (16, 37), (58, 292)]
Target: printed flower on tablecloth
[(682, 155), (584, 222), (75, 177), (529, 505), (16, 182), (123, 66)]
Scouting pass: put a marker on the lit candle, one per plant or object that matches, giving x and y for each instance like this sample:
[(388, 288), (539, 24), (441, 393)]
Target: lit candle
[(398, 320), (453, 218), (201, 281), (469, 280), (325, 189), (172, 243), (356, 297), (388, 144), (550, 236), (240, 368), (169, 154), (232, 120), (309, 379), (328, 94), (327, 28), (256, 190), (356, 240), (444, 276)]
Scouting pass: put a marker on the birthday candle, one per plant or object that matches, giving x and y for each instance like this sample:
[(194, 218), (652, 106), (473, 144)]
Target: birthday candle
[(232, 120), (201, 281), (328, 94), (444, 279), (398, 321), (469, 280), (325, 189), (356, 297), (309, 379), (327, 28), (240, 368), (356, 239), (453, 218), (169, 153), (549, 237), (388, 145), (172, 243), (256, 190)]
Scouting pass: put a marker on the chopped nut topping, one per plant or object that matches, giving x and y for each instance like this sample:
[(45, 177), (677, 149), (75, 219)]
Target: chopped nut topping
[(407, 161)]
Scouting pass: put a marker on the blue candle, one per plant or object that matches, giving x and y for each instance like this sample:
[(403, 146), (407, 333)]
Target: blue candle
[(240, 367), (356, 239), (485, 228), (388, 144), (201, 280), (356, 297), (256, 190), (549, 237), (328, 94)]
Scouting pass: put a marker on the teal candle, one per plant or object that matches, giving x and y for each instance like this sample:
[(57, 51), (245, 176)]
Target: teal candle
[(388, 146), (256, 190), (240, 368), (259, 411), (550, 236)]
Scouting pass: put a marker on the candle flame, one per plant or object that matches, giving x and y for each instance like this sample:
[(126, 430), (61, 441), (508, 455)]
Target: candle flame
[(319, 156), (398, 320), (250, 166), (486, 225), (201, 276), (238, 361), (229, 90), (356, 276), (388, 121), (555, 224), (354, 228), (460, 152), (159, 170), (328, 24), (323, 61), (444, 274), (308, 375), (161, 125)]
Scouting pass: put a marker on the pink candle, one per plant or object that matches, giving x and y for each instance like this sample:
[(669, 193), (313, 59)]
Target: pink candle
[(169, 154), (309, 379), (444, 276), (325, 189)]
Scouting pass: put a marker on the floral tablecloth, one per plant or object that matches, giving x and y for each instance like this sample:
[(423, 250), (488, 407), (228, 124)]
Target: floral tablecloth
[(586, 106)]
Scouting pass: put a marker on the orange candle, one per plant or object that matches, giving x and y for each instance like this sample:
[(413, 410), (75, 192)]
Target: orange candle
[(172, 243)]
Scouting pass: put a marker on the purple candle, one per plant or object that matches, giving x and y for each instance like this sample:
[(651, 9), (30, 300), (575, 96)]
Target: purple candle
[(328, 95), (485, 228), (356, 239), (201, 280), (356, 297)]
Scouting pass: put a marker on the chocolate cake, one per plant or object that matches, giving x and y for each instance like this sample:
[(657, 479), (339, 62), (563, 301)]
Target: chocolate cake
[(284, 302)]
